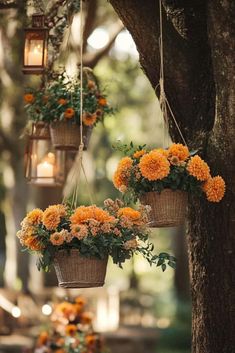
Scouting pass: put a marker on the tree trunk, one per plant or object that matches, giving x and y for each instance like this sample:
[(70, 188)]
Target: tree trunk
[(199, 61)]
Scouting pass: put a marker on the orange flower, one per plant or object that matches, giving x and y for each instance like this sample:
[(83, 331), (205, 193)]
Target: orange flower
[(91, 84), (43, 338), (82, 214), (130, 244), (178, 150), (79, 231), (131, 214), (80, 300), (34, 217), (62, 101), (86, 318), (174, 160), (154, 166), (102, 101), (29, 98), (70, 330), (139, 154), (89, 119), (214, 189), (69, 113), (122, 173), (52, 215), (33, 243), (198, 168), (90, 340), (57, 238), (163, 151)]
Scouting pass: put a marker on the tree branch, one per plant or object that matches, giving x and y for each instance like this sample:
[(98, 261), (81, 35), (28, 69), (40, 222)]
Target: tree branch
[(91, 59), (90, 21), (10, 5)]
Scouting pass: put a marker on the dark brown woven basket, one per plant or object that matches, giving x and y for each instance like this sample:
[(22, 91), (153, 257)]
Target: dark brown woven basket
[(66, 136), (168, 209), (76, 271), (40, 131)]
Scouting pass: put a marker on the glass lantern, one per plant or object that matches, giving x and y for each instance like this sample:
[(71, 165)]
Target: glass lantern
[(44, 166), (35, 46)]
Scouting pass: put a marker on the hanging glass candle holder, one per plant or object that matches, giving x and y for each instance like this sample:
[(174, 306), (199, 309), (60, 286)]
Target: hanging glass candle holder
[(44, 165), (35, 46)]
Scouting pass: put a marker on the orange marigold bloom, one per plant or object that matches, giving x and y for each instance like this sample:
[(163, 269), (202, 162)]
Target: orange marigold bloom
[(70, 330), (163, 151), (90, 340), (214, 189), (122, 173), (29, 98), (43, 338), (102, 101), (131, 214), (80, 300), (62, 101), (82, 214), (89, 119), (52, 215), (139, 154), (33, 243), (34, 217), (57, 238), (69, 113), (198, 168), (179, 150), (91, 84), (86, 318), (154, 166)]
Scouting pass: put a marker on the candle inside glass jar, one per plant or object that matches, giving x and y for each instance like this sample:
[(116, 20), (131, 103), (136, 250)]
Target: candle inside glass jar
[(45, 173)]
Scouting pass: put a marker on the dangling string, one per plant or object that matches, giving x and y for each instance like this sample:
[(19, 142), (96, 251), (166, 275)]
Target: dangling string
[(78, 165), (164, 103)]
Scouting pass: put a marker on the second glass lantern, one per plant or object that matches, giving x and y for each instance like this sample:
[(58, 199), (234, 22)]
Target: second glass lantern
[(44, 165)]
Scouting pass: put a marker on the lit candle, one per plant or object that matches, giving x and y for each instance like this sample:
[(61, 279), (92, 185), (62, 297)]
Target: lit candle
[(45, 173), (35, 56)]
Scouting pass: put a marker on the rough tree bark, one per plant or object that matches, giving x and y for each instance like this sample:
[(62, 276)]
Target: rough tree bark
[(199, 40)]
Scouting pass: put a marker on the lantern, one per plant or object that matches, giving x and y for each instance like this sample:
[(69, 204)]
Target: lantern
[(35, 46), (44, 166)]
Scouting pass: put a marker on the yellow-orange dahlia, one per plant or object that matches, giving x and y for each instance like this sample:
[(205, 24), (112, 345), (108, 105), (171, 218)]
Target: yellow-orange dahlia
[(139, 154), (122, 173), (52, 215), (71, 329), (178, 150), (131, 214), (214, 189), (89, 119), (33, 243), (69, 113), (57, 238), (82, 214), (198, 168), (154, 166), (29, 98), (34, 217)]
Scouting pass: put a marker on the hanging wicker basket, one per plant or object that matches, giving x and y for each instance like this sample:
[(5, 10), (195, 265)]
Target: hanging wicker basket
[(66, 136), (168, 209), (40, 131), (76, 271)]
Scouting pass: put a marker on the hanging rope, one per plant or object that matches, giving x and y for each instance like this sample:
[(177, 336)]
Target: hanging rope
[(78, 164), (164, 103)]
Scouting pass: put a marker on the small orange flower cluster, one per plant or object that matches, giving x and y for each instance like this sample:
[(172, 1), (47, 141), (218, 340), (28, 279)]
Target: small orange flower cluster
[(122, 174)]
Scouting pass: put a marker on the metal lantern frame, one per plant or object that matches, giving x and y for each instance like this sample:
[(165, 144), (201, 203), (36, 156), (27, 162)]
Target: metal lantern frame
[(39, 137), (37, 32)]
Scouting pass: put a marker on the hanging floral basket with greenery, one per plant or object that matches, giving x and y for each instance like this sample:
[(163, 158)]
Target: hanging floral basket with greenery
[(58, 104), (163, 178), (79, 241)]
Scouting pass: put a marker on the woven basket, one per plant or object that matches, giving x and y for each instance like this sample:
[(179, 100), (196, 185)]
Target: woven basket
[(76, 271), (40, 131), (66, 136), (168, 209)]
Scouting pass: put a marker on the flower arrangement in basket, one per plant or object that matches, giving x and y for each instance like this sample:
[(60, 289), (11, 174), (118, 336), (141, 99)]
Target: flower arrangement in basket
[(58, 104), (70, 330), (162, 178), (79, 241)]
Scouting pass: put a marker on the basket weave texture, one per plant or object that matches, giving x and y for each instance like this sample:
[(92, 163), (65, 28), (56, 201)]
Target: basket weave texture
[(168, 209), (40, 131), (76, 271), (66, 136)]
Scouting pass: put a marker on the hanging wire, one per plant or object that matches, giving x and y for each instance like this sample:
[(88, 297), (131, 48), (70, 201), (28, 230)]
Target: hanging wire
[(164, 103)]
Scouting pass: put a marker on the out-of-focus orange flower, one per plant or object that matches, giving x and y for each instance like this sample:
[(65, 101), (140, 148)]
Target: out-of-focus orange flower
[(89, 119), (131, 214), (102, 101), (33, 243), (198, 168), (90, 340), (69, 113), (91, 84), (29, 98), (43, 338), (122, 173), (139, 154), (214, 189), (86, 318), (70, 330), (62, 101)]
